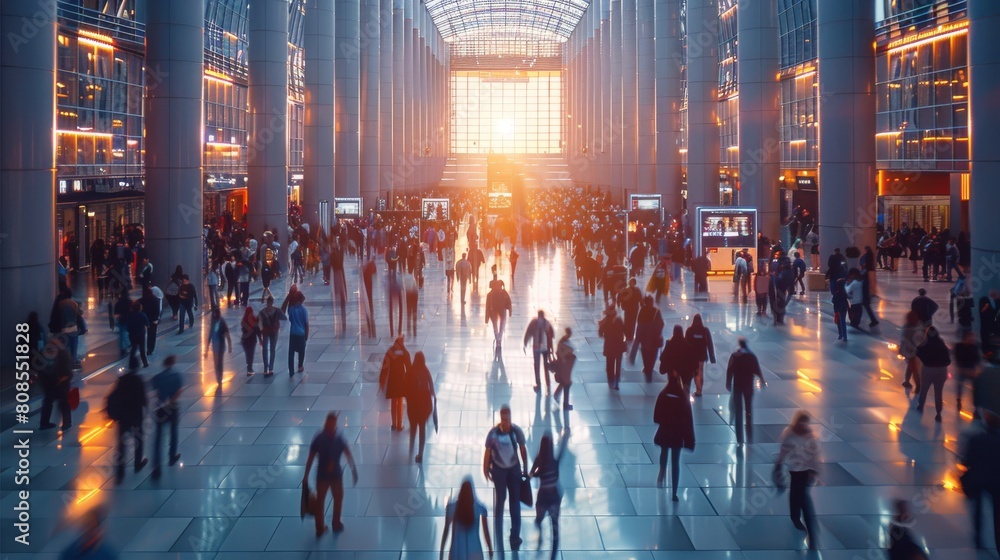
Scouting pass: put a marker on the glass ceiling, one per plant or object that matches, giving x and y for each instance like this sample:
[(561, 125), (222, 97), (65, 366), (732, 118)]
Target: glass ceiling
[(531, 20)]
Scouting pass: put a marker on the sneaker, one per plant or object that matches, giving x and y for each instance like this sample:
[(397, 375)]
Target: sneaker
[(515, 544), (907, 384), (418, 459), (873, 324), (535, 388), (799, 525), (249, 373), (65, 427), (674, 498)]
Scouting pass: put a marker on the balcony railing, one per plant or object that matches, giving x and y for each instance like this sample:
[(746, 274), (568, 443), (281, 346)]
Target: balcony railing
[(73, 16)]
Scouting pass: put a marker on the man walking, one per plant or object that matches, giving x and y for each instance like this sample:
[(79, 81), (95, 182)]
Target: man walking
[(743, 367), (328, 446), (630, 299), (298, 332), (498, 308), (924, 307), (189, 299), (501, 466), (152, 306), (463, 269), (540, 332), (168, 386), (126, 405), (270, 319)]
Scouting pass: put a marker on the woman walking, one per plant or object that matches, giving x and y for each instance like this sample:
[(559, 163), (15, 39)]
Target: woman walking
[(546, 470), (250, 335), (936, 358), (967, 358), (565, 359), (460, 518), (612, 330), (173, 289), (910, 338), (699, 340), (419, 401), (392, 380), (841, 309), (800, 451), (677, 359), (648, 336), (675, 430)]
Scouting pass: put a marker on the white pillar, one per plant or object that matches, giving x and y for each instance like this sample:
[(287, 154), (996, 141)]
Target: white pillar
[(617, 136), (317, 171), (703, 101), (760, 112), (630, 86), (847, 208), (646, 100), (28, 172), (267, 159), (606, 130), (348, 98), (409, 47), (398, 98), (984, 121), (385, 100), (369, 156)]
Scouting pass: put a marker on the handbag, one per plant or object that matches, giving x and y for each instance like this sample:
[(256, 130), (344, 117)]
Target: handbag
[(73, 398), (526, 497), (779, 476)]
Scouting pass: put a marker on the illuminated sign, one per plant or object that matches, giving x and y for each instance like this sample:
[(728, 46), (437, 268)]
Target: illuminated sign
[(435, 209), (939, 32), (644, 202), (347, 207)]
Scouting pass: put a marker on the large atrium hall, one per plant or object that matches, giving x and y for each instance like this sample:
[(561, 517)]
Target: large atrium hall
[(536, 279)]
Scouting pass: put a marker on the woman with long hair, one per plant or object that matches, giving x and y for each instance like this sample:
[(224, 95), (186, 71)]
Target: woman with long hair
[(676, 358), (800, 452), (546, 470), (699, 340), (419, 401), (249, 336), (460, 518), (173, 288), (565, 359), (675, 431)]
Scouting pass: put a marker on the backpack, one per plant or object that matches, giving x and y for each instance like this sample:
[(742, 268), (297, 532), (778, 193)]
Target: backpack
[(115, 403)]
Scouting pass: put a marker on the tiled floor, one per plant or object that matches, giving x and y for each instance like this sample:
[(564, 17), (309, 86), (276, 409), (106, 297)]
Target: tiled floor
[(236, 492)]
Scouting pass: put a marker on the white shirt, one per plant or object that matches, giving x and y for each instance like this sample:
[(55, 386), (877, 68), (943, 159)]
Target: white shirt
[(854, 292)]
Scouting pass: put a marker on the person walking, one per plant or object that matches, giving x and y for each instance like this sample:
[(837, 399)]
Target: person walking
[(498, 309), (743, 367), (612, 329), (126, 405), (549, 499), (855, 297), (799, 267), (801, 453), (188, 298), (412, 294), (936, 358), (449, 270), (229, 274), (514, 255), (911, 337), (392, 380), (250, 335), (675, 430), (463, 270), (173, 289), (152, 306), (420, 400), (218, 340), (168, 386), (677, 359), (460, 516), (866, 288), (137, 323), (761, 288), (502, 467), (122, 309), (212, 280), (741, 277), (648, 336), (563, 366), (967, 358), (298, 333), (243, 276), (56, 380), (980, 455), (630, 300), (699, 340), (269, 321), (925, 307), (326, 449), (659, 281), (540, 333)]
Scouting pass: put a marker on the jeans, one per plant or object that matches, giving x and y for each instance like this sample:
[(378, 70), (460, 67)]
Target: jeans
[(800, 504), (123, 432), (499, 325), (213, 296), (414, 428), (935, 376), (675, 466), (463, 285), (507, 482), (218, 356), (249, 349), (73, 341), (165, 415), (336, 487), (396, 296), (541, 362), (296, 344), (187, 308), (138, 340), (953, 265), (548, 502), (743, 405), (244, 295), (613, 368), (842, 324), (268, 347), (123, 343)]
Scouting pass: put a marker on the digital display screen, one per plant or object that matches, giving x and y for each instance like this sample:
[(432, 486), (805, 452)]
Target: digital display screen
[(499, 197), (644, 201), (347, 207), (434, 209), (728, 228)]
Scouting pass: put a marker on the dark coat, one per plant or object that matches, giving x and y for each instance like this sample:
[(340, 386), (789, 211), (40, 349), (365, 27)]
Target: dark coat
[(934, 352), (612, 329), (700, 342), (395, 367), (677, 357), (673, 416), (133, 397), (649, 326), (419, 395)]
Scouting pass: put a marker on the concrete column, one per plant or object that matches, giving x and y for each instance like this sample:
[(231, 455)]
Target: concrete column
[(409, 48), (28, 172), (669, 99), (703, 102), (595, 174), (348, 100), (420, 98), (847, 209), (758, 57), (630, 87), (385, 61), (370, 34), (617, 136), (646, 99), (317, 171), (399, 143), (606, 131), (984, 80), (267, 159)]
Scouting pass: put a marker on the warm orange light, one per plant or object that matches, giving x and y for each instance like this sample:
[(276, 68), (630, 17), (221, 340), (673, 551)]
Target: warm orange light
[(966, 414), (84, 440), (218, 77), (87, 496), (91, 35), (805, 74), (84, 133), (924, 37), (96, 44)]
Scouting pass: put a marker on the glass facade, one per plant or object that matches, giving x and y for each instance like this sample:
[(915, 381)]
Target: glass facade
[(797, 27), (728, 67), (799, 122), (922, 116), (729, 132), (506, 112), (225, 127)]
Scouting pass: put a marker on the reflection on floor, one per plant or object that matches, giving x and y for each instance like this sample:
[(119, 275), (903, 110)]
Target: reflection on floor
[(236, 492)]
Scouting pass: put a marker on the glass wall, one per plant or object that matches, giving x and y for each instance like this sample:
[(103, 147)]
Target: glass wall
[(799, 122), (506, 112), (728, 68), (729, 132), (797, 27), (225, 126), (922, 119), (98, 108)]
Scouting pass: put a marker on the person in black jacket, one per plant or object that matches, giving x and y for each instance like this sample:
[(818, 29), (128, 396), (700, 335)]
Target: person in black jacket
[(925, 307), (55, 381), (189, 301), (648, 336), (151, 306), (989, 325), (677, 358), (743, 367), (612, 330), (675, 430), (630, 299), (936, 358), (127, 407), (981, 455), (699, 340), (137, 323)]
